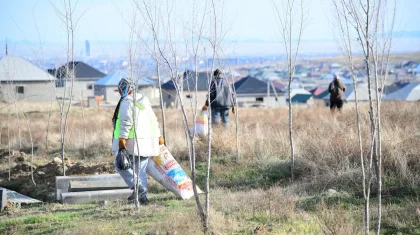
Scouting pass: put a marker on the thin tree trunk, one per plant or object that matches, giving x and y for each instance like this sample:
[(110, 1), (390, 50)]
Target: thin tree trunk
[(162, 108), (214, 47), (292, 151), (285, 24), (237, 157), (8, 144), (178, 84), (48, 127), (18, 122), (346, 38), (84, 126), (361, 15), (160, 94), (32, 148)]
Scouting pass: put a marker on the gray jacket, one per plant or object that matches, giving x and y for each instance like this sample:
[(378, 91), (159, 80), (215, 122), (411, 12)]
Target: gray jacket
[(337, 89)]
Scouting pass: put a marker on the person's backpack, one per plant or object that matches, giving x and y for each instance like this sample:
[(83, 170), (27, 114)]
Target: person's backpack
[(123, 160)]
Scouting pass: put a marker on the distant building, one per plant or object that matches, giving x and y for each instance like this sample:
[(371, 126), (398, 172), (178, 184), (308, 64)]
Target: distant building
[(302, 99), (251, 92), (108, 87), (84, 77), (20, 79), (188, 84), (87, 48), (349, 95), (410, 92), (316, 91)]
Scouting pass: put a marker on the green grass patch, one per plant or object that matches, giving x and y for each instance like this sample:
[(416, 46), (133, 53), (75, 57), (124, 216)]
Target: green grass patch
[(342, 199), (40, 220), (244, 175)]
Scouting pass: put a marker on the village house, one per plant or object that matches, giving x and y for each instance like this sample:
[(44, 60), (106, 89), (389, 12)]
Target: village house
[(251, 92), (21, 80), (84, 77), (362, 91), (300, 97), (108, 87), (409, 92), (187, 84)]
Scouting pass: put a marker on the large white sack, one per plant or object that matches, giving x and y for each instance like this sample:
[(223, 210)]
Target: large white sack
[(167, 171)]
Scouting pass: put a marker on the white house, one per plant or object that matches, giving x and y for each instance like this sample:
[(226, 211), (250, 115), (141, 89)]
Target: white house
[(410, 92), (21, 80), (108, 87), (251, 92), (84, 77)]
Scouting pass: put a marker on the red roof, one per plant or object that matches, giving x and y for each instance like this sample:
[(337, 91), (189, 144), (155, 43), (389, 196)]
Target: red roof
[(278, 85), (316, 91), (314, 74), (324, 70)]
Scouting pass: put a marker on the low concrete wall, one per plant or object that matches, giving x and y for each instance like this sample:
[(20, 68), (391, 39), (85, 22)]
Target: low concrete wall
[(93, 196), (94, 185), (62, 183)]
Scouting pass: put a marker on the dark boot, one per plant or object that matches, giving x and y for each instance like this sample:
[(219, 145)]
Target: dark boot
[(142, 193), (144, 200)]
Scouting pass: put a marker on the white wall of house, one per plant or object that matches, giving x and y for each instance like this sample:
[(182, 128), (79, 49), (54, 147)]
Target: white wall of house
[(188, 98), (29, 91), (110, 93), (112, 96), (152, 93), (82, 88), (259, 100)]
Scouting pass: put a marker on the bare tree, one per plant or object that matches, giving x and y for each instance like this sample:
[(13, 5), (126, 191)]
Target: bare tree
[(84, 126), (8, 144), (70, 21), (365, 21), (346, 47), (381, 51), (48, 126), (236, 108), (165, 45), (286, 22), (18, 112), (32, 148), (14, 99), (135, 74)]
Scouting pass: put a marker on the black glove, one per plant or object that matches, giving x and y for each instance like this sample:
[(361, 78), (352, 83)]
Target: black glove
[(123, 160)]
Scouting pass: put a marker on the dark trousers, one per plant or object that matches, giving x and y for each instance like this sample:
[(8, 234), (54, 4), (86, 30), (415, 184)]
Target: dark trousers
[(336, 104)]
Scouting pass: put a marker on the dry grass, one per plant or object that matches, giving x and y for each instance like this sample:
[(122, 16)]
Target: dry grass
[(325, 145), (257, 195), (337, 220)]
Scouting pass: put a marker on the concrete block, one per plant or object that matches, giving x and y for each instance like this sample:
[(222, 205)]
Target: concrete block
[(95, 196), (3, 199), (94, 185), (62, 182)]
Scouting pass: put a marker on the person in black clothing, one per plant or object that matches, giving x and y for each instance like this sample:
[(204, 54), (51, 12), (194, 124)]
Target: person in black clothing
[(336, 90), (221, 99)]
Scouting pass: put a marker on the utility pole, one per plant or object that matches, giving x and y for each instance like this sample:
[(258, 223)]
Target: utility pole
[(7, 52)]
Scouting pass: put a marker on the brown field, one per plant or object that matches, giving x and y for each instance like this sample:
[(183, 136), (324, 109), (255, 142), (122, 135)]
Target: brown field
[(256, 191)]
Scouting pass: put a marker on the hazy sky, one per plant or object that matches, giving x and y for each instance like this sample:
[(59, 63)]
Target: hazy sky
[(106, 20)]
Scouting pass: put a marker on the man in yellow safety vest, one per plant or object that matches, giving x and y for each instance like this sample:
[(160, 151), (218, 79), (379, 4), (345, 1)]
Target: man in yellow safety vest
[(137, 133)]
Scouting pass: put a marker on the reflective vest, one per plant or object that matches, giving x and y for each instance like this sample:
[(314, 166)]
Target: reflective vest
[(154, 131)]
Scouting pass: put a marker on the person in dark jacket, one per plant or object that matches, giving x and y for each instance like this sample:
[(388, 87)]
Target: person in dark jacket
[(221, 99), (336, 90)]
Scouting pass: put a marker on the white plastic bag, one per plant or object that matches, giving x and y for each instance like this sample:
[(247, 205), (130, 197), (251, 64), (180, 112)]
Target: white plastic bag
[(201, 124), (167, 171)]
